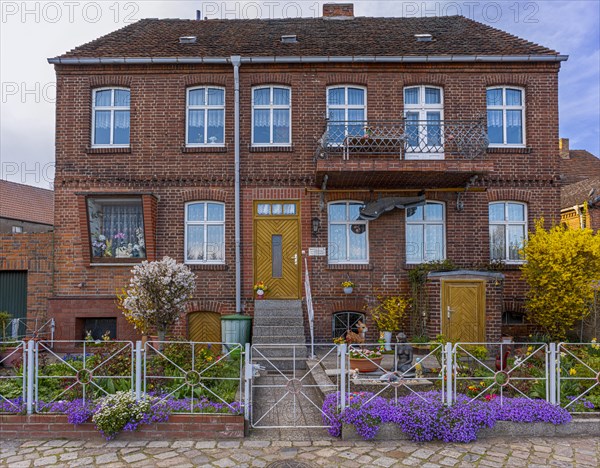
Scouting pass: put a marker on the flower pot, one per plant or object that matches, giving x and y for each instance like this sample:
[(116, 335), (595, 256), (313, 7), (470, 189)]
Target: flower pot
[(348, 290), (387, 336), (365, 365), (260, 294)]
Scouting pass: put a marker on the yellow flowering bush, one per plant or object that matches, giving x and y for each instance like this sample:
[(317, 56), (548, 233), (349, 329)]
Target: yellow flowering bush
[(562, 267), (389, 311)]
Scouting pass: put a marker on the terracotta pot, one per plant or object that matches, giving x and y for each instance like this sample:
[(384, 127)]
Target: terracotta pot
[(365, 365)]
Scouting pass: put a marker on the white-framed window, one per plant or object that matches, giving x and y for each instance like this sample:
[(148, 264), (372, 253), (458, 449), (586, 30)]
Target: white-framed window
[(424, 115), (348, 235), (426, 233), (506, 116), (508, 230), (204, 232), (205, 116), (346, 112), (110, 117), (17, 229), (271, 116)]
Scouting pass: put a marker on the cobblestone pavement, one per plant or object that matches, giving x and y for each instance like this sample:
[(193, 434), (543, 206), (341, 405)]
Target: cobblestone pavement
[(531, 452)]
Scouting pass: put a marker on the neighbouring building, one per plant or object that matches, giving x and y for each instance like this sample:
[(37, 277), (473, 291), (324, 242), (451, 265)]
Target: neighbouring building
[(26, 253), (580, 193), (360, 147)]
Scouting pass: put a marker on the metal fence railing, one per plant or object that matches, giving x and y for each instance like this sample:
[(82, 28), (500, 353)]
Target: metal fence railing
[(194, 377), (402, 370), (216, 377)]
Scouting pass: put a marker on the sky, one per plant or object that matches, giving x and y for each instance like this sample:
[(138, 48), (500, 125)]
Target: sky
[(32, 31)]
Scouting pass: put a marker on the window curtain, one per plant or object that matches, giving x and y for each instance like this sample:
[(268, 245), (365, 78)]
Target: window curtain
[(120, 223)]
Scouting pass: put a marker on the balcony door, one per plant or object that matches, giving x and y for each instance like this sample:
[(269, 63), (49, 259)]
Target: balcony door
[(424, 122), (277, 251)]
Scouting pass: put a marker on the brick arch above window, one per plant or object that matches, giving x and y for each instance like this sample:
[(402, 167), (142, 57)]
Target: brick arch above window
[(108, 81), (425, 80), (205, 193), (512, 194), (271, 79), (507, 80), (347, 304), (348, 79), (191, 81)]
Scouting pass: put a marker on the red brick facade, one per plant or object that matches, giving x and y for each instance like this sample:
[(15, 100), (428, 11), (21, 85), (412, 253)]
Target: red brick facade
[(157, 164), (32, 253)]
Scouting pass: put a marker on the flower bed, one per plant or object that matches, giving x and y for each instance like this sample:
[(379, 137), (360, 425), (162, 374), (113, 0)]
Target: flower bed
[(424, 417)]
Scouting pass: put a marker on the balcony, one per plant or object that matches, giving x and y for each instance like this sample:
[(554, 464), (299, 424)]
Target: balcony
[(405, 153)]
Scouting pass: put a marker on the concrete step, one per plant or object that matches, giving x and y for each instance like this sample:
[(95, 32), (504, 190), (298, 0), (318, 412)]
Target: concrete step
[(281, 340), (281, 330), (271, 304), (272, 366), (288, 321), (259, 351)]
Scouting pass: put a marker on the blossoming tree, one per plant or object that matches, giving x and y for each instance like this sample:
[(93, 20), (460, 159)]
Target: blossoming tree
[(156, 295)]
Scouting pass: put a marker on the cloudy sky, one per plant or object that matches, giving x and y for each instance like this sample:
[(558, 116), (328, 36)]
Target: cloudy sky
[(32, 31)]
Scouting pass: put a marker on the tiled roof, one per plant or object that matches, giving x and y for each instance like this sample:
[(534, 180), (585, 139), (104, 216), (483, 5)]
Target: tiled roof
[(357, 36), (26, 203), (581, 165), (576, 194)]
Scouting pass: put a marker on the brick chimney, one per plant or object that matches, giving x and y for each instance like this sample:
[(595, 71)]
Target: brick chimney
[(333, 10), (563, 148)]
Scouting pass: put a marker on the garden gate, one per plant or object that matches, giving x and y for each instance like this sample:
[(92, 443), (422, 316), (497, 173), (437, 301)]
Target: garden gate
[(282, 385)]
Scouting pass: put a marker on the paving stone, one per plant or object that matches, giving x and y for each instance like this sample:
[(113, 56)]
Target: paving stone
[(384, 461), (134, 457), (45, 461), (423, 453), (206, 444)]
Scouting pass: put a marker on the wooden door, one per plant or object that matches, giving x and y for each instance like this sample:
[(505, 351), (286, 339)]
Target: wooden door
[(204, 327), (463, 311), (277, 253)]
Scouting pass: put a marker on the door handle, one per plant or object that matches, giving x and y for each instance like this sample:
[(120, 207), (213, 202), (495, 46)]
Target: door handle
[(295, 257), (448, 312)]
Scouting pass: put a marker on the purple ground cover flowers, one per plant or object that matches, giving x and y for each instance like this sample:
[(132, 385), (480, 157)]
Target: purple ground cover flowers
[(424, 416)]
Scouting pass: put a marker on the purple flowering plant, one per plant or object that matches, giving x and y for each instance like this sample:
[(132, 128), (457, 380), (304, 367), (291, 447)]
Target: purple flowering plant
[(425, 417)]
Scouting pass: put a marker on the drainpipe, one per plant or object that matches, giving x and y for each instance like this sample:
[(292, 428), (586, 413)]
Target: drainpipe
[(236, 60)]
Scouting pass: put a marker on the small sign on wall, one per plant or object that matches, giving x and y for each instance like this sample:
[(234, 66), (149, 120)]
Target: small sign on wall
[(317, 251)]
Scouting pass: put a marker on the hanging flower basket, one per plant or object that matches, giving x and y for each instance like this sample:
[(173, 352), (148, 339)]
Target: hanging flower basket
[(348, 287)]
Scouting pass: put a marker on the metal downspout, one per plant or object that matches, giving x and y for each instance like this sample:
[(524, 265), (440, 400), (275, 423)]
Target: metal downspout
[(236, 60)]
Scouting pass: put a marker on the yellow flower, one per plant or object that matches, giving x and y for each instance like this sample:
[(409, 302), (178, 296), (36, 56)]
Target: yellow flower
[(572, 371), (529, 349), (209, 358), (482, 383)]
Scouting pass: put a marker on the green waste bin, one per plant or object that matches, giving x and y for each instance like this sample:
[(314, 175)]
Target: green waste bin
[(236, 329)]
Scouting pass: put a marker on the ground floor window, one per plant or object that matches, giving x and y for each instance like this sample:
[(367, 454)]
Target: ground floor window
[(97, 328), (344, 321), (116, 227)]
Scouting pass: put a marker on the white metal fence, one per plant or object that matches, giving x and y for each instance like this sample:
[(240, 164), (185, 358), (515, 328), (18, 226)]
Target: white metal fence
[(216, 377)]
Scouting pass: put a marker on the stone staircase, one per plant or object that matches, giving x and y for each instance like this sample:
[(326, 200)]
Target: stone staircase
[(279, 322)]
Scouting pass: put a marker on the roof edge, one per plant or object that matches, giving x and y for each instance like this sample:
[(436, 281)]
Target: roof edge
[(306, 59)]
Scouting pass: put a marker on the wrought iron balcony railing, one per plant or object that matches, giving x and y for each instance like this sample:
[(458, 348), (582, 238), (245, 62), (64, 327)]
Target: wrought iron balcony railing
[(405, 139)]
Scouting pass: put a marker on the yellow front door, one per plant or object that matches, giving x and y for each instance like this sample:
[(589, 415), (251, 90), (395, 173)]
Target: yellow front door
[(463, 311), (277, 259)]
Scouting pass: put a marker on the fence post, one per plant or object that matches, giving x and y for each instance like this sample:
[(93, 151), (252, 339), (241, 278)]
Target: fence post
[(30, 381), (247, 377), (342, 351), (552, 374), (449, 381), (138, 370)]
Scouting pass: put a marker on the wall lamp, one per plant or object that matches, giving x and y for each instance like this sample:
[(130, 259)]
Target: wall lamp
[(316, 226)]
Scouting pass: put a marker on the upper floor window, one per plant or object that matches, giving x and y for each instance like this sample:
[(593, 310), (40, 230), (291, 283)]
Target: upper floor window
[(508, 230), (204, 232), (271, 116), (506, 116), (116, 226), (205, 116), (425, 233), (346, 112), (348, 235), (110, 117), (424, 113)]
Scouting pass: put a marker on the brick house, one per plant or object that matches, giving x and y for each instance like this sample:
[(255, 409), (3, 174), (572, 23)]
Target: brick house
[(246, 148), (26, 250), (580, 194)]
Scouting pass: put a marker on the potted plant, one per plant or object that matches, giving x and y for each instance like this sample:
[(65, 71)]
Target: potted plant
[(388, 313), (348, 286), (420, 344), (260, 289), (365, 360)]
